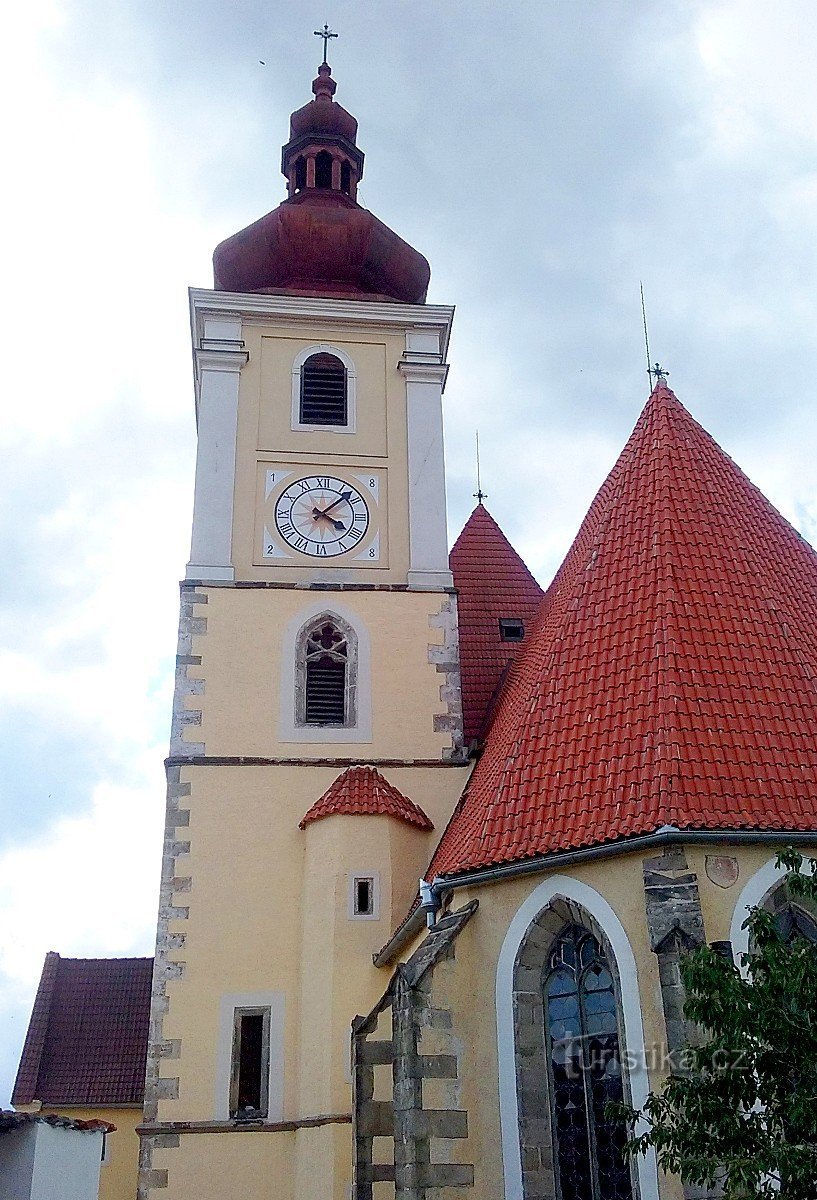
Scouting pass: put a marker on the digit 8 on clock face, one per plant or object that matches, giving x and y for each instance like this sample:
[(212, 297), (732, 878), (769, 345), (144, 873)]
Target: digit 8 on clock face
[(321, 516)]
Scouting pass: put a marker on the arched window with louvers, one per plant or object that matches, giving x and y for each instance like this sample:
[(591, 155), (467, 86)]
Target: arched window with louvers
[(324, 382), (326, 673)]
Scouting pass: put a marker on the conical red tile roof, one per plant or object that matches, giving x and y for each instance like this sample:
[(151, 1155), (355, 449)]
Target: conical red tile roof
[(672, 677), (492, 582), (363, 790)]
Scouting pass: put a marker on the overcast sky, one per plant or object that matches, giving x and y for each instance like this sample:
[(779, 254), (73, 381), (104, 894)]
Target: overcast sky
[(545, 156)]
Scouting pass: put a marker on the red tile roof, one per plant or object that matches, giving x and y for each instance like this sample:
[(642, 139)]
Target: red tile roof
[(672, 676), (492, 582), (87, 1037), (362, 790)]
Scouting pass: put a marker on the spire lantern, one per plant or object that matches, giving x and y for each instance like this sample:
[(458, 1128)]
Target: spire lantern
[(319, 241), (322, 148)]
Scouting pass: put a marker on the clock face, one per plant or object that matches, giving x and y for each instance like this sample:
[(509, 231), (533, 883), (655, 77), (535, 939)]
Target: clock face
[(321, 516)]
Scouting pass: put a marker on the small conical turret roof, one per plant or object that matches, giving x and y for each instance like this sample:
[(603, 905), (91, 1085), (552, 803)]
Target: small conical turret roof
[(672, 677), (493, 585)]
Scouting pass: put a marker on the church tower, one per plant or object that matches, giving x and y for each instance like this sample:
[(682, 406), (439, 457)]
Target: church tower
[(317, 726)]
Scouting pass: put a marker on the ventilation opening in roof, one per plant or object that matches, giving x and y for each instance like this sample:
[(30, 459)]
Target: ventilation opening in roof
[(511, 629), (323, 391)]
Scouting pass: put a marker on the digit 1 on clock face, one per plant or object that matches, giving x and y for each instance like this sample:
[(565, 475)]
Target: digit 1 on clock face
[(321, 516)]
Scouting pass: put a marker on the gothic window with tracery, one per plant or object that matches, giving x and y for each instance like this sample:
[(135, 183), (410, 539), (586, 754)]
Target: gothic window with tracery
[(326, 663), (585, 1070)]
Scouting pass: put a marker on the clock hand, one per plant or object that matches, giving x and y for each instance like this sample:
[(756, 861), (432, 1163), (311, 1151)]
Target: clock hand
[(343, 496), (317, 513)]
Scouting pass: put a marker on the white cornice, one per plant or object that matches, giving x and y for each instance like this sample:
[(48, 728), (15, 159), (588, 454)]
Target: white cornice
[(257, 305), (424, 372)]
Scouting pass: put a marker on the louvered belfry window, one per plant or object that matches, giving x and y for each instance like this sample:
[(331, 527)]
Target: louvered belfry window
[(327, 664), (323, 391)]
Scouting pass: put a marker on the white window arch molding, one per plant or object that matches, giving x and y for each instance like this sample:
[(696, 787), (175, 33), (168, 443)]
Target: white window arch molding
[(756, 892), (563, 887), (351, 389), (359, 729)]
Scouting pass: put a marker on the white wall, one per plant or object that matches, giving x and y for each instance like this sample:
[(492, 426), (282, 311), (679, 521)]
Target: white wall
[(46, 1162)]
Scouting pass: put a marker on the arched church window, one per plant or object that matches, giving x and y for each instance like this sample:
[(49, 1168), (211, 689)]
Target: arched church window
[(323, 391), (327, 666), (300, 174), (792, 917), (345, 178), (323, 169), (585, 1070)]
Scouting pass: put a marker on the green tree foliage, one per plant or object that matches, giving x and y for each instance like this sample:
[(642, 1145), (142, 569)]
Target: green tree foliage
[(739, 1111)]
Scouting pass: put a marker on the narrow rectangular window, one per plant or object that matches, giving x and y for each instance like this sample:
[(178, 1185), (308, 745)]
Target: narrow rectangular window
[(249, 1080), (363, 899), (364, 896)]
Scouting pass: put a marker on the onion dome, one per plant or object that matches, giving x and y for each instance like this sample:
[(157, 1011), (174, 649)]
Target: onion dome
[(320, 241)]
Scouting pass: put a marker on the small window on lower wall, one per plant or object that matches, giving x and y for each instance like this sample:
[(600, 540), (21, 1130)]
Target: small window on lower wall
[(249, 1079), (364, 899)]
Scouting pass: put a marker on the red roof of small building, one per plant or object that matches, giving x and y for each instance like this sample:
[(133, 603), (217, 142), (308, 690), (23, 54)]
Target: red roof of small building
[(363, 790), (672, 677), (87, 1037), (492, 582)]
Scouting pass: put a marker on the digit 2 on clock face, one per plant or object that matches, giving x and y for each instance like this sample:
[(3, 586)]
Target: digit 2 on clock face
[(321, 516)]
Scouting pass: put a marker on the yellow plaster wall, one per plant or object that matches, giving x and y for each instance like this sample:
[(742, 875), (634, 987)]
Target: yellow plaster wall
[(265, 434), (241, 667), (118, 1175), (267, 912), (468, 984), (718, 903), (229, 1166)]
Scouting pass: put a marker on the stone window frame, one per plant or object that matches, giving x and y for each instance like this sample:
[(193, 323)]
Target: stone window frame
[(351, 389), (374, 878), (536, 1106), (289, 730), (239, 1013), (225, 1037), (350, 682)]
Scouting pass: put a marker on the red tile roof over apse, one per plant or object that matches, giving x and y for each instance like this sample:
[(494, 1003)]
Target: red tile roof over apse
[(672, 676), (492, 583), (363, 791), (87, 1037)]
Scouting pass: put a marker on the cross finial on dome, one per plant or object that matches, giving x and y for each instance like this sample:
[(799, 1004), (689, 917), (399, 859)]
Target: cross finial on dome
[(658, 373), (325, 33)]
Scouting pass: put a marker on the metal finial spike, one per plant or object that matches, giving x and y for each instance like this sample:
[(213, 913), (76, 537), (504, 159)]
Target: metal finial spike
[(325, 33), (658, 373), (479, 495), (646, 335)]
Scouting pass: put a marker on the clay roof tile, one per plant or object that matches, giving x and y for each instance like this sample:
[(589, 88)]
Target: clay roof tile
[(672, 675), (364, 791)]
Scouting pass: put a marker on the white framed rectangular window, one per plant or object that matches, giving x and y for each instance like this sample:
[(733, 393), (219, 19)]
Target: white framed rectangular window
[(363, 902), (225, 1100)]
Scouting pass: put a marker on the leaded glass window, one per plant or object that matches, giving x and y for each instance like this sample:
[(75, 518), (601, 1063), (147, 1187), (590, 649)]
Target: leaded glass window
[(585, 1070)]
